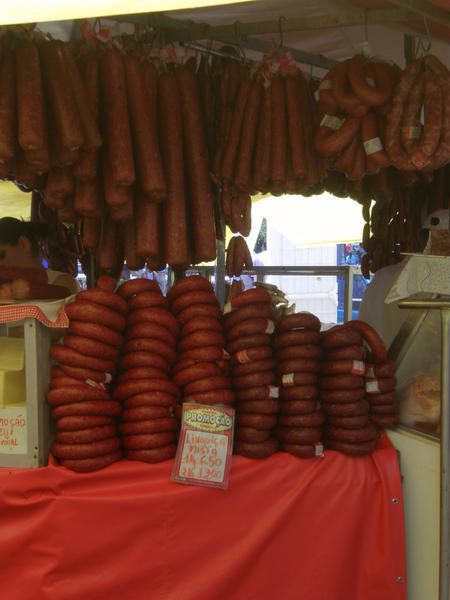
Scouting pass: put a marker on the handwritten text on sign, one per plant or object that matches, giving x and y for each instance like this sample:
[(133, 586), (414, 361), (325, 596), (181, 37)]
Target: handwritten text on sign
[(13, 430), (205, 446)]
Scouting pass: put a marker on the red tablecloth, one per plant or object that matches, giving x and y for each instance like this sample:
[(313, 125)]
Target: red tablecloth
[(287, 529)]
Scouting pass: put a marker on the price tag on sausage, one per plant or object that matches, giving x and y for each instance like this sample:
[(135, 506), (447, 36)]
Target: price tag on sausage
[(205, 447)]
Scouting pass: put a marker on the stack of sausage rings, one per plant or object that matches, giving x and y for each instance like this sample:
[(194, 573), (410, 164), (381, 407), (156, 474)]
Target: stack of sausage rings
[(200, 369), (342, 393), (380, 392), (147, 426), (299, 354), (249, 327), (86, 436)]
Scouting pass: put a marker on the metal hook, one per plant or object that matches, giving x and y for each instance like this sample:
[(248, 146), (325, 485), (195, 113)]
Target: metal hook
[(96, 27), (237, 40), (280, 31), (427, 48)]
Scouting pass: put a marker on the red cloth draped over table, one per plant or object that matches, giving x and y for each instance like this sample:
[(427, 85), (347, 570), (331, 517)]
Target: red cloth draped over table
[(286, 529)]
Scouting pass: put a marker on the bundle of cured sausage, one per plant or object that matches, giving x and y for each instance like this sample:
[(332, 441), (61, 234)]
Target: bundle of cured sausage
[(249, 327), (86, 436), (200, 369), (147, 423), (298, 354), (380, 392)]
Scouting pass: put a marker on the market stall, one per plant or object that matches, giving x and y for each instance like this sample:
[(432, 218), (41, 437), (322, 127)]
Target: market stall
[(142, 138)]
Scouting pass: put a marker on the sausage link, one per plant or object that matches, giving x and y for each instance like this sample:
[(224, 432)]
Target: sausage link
[(157, 371), (349, 422), (356, 449), (69, 424), (299, 392), (88, 465), (200, 339), (249, 355), (254, 380), (148, 329), (92, 450), (372, 339), (314, 419), (90, 312), (67, 356), (134, 360), (148, 441), (364, 434), (208, 384), (249, 341), (257, 421), (254, 366), (191, 298), (151, 345), (350, 409), (199, 310), (249, 434), (264, 392), (89, 347), (135, 286), (308, 351), (352, 352), (302, 320), (259, 450), (339, 336), (131, 388), (152, 456), (342, 396), (260, 407), (212, 397), (94, 434), (195, 372), (208, 354), (107, 408), (295, 338), (250, 327), (105, 298), (158, 316), (298, 407), (161, 425), (298, 365), (345, 367), (96, 332), (147, 300), (251, 311)]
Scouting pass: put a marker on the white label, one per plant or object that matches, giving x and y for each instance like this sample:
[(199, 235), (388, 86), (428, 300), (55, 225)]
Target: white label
[(287, 379), (331, 122), (13, 430), (370, 373), (227, 308), (372, 386), (317, 95), (274, 392), (359, 368), (325, 84), (372, 146), (414, 133), (370, 81), (242, 357), (318, 449), (108, 377), (270, 327), (95, 384)]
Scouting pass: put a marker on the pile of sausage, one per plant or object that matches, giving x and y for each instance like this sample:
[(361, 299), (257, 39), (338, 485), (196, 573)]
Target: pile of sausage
[(249, 325), (299, 355), (200, 369), (346, 384), (26, 284), (82, 406), (148, 397)]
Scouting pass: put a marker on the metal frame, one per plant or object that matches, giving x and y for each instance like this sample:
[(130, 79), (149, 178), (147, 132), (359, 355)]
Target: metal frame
[(444, 531), (37, 372)]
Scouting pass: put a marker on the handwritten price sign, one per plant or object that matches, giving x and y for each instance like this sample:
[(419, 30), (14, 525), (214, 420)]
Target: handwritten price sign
[(13, 430), (205, 446)]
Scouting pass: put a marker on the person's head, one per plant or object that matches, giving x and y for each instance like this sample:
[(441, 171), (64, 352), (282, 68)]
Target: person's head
[(20, 242)]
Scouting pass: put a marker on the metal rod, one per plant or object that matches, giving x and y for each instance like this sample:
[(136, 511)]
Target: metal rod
[(425, 9), (213, 52), (348, 297), (431, 303), (444, 537), (219, 272)]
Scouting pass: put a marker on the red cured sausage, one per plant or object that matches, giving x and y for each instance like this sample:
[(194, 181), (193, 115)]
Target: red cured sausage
[(359, 449), (143, 373), (298, 365), (85, 436), (159, 316), (349, 422), (355, 352), (193, 283), (351, 409), (208, 384), (308, 351), (90, 312), (195, 372), (298, 407), (209, 353), (295, 127), (105, 298), (80, 423), (139, 386), (148, 441), (30, 103), (261, 310), (60, 96), (382, 409), (205, 323), (255, 366), (260, 407), (433, 113), (386, 369), (152, 456), (254, 380), (371, 95), (200, 339), (66, 381), (212, 397), (250, 327), (264, 392), (115, 109), (278, 131), (298, 379), (196, 152), (249, 341), (69, 395), (342, 395), (299, 392), (151, 426), (97, 332), (303, 450), (175, 205), (259, 450), (343, 93), (389, 421), (85, 375), (256, 421), (295, 338), (87, 465), (107, 408), (91, 450), (144, 359), (411, 127), (340, 336), (242, 171), (341, 382), (191, 298), (7, 107), (349, 367), (24, 290), (379, 399), (261, 163), (302, 320), (67, 356), (249, 355), (147, 226), (364, 434), (314, 419), (231, 148), (147, 300), (151, 345), (199, 310), (144, 413), (88, 200), (90, 347), (329, 140), (135, 286), (32, 275), (249, 434), (252, 296), (148, 329), (301, 435), (150, 399), (372, 339), (373, 145)]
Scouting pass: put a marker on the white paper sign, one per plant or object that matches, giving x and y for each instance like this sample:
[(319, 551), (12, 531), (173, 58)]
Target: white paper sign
[(13, 430)]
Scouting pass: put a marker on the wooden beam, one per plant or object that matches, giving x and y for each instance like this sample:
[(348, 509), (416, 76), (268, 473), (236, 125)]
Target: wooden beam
[(426, 10)]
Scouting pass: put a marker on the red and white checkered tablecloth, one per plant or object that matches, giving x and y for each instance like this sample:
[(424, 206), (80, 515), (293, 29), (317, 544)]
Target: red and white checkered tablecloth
[(51, 314)]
